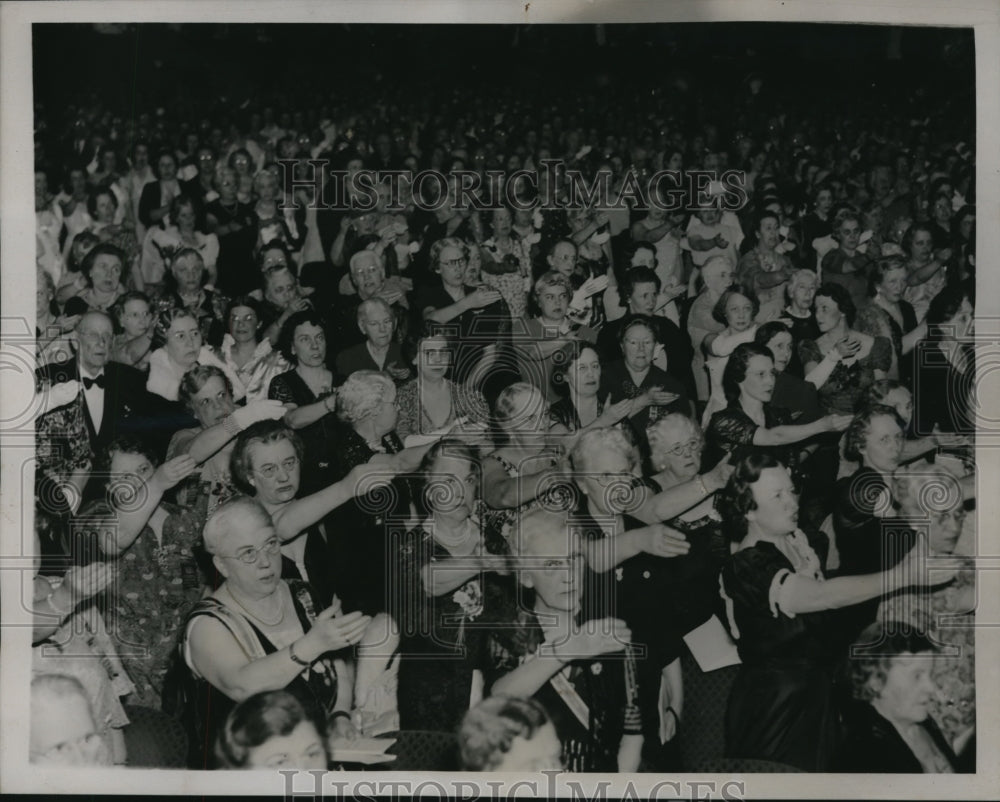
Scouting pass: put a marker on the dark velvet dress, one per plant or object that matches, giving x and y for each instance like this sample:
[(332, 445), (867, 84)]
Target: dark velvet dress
[(442, 637), (781, 707), (318, 438), (359, 530), (874, 746)]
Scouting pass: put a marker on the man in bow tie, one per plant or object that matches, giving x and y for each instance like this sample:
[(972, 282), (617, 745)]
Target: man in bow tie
[(112, 400)]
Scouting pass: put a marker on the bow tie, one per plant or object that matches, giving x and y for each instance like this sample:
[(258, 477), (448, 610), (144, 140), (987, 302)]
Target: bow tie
[(88, 382)]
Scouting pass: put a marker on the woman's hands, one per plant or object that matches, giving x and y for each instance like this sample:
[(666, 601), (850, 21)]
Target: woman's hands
[(662, 541), (272, 409), (615, 412), (84, 581), (837, 423), (173, 471), (483, 296), (914, 569), (333, 631), (848, 346), (592, 639), (715, 479), (655, 396)]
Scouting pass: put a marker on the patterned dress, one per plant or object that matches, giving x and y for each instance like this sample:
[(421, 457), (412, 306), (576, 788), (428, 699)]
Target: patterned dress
[(158, 582), (848, 384)]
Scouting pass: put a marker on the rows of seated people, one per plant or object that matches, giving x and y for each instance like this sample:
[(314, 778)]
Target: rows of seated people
[(357, 471)]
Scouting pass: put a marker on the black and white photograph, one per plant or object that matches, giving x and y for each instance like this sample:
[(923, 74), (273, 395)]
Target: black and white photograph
[(512, 392)]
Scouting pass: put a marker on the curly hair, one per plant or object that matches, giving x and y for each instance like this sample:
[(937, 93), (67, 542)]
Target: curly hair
[(257, 719), (165, 319), (841, 297), (551, 278), (505, 409), (125, 444), (361, 395), (735, 500), (196, 378), (719, 310), (101, 249), (857, 433), (880, 269), (488, 730), (434, 257), (92, 200), (638, 320), (735, 371), (603, 441), (261, 432), (286, 337), (874, 651), (634, 276)]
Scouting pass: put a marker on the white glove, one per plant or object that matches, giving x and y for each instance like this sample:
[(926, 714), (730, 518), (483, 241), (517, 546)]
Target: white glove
[(58, 395), (258, 411)]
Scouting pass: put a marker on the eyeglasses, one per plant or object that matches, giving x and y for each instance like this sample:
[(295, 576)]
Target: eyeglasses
[(80, 748), (608, 479), (270, 470), (250, 317), (460, 262), (692, 446), (249, 554)]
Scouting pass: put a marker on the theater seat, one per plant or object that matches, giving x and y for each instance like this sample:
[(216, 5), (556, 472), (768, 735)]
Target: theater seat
[(154, 739), (706, 694), (423, 750)]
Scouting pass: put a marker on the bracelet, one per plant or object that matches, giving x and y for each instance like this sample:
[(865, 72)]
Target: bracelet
[(62, 613), (326, 406), (231, 426), (670, 709), (341, 714), (701, 484), (295, 657)]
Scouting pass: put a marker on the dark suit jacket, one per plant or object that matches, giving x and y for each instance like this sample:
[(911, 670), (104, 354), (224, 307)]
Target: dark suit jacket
[(129, 409)]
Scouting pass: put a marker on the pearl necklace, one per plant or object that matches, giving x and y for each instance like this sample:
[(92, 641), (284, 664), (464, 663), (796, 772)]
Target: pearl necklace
[(266, 622)]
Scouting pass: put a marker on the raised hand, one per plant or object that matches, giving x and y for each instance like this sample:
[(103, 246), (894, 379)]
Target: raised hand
[(483, 296), (716, 478), (662, 541), (594, 638), (84, 581), (272, 409), (837, 423), (172, 471), (332, 631)]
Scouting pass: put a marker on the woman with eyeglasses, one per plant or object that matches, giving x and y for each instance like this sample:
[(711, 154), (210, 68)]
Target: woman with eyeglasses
[(259, 632), (207, 394), (248, 354)]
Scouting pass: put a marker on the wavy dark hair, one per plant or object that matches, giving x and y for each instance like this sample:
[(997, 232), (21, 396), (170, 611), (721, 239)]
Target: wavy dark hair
[(101, 249), (637, 275), (287, 334), (841, 297), (735, 500), (736, 368), (563, 361), (256, 720)]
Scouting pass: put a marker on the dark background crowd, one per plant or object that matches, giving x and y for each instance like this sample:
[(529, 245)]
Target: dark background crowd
[(308, 476)]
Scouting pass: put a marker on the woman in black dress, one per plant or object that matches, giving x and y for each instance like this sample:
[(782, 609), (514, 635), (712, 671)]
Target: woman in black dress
[(448, 585), (307, 391), (888, 315), (944, 367), (749, 420), (781, 707)]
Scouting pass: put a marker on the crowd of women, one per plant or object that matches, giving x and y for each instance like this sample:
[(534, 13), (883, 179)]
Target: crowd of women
[(306, 474)]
